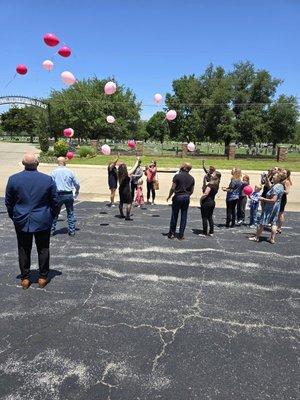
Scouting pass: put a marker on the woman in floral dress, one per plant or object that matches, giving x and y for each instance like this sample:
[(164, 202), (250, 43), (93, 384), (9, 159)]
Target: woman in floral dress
[(271, 208)]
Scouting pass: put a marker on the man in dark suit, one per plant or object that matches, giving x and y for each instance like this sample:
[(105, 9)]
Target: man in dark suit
[(31, 201)]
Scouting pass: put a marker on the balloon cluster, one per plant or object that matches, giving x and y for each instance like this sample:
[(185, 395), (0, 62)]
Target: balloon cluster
[(51, 40)]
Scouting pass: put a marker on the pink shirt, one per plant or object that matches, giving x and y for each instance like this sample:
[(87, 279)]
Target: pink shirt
[(150, 173)]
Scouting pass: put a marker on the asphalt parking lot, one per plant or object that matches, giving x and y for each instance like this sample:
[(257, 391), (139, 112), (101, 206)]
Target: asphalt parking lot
[(130, 314)]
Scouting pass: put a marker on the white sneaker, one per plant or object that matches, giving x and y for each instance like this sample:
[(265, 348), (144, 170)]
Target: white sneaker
[(252, 226)]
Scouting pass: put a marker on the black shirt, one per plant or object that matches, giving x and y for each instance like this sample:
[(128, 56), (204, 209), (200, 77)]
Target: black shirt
[(184, 183), (212, 194)]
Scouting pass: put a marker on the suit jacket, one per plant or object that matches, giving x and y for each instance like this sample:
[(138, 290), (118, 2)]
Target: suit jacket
[(31, 200)]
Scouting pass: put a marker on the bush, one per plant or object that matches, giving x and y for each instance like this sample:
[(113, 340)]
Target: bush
[(50, 153), (61, 148), (44, 143), (86, 151)]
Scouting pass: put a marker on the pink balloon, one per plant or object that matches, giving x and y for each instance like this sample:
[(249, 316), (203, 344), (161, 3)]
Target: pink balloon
[(68, 132), (171, 115), (110, 119), (157, 98), (48, 65), (191, 146), (68, 78), (248, 190), (131, 144), (110, 88), (70, 155), (105, 149)]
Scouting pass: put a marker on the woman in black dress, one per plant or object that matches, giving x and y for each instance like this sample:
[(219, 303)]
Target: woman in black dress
[(125, 188), (207, 202), (112, 180)]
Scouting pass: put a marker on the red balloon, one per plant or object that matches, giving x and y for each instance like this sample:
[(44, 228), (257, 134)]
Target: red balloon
[(70, 155), (51, 40), (64, 51), (131, 144), (248, 190), (21, 69)]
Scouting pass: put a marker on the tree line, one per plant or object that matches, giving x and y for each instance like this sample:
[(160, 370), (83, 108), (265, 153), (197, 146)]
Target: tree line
[(239, 105)]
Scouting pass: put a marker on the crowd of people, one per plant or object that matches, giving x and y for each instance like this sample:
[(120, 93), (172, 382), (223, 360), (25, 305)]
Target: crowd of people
[(34, 201), (271, 193)]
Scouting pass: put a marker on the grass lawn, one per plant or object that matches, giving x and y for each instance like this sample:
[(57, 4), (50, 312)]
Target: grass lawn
[(292, 163)]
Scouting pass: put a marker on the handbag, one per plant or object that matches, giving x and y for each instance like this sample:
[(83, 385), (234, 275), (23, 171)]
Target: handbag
[(156, 184)]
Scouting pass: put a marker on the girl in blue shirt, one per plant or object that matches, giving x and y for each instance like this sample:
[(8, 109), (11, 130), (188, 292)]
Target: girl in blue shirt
[(233, 194)]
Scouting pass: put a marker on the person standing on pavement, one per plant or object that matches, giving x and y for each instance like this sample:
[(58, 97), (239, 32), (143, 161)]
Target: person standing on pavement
[(135, 177), (31, 201), (242, 201), (182, 188), (66, 182), (233, 194), (150, 173), (125, 189), (112, 180), (207, 203)]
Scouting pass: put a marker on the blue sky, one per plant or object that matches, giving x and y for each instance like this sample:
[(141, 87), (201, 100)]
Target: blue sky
[(147, 44)]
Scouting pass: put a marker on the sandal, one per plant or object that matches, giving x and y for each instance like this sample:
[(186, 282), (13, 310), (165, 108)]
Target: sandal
[(254, 239), (271, 241)]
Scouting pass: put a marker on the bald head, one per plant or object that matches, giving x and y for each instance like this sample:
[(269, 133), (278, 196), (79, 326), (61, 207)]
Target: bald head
[(61, 161), (30, 161)]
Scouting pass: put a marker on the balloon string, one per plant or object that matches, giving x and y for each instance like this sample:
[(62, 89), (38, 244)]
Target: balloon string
[(10, 81)]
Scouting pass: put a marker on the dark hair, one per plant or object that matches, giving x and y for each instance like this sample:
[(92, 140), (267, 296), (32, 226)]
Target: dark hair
[(122, 172)]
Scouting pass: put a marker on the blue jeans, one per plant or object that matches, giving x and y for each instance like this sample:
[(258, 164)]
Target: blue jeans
[(68, 201), (179, 202), (253, 213)]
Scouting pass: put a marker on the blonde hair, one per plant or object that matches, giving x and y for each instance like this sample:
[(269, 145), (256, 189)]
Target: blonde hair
[(236, 173), (186, 167)]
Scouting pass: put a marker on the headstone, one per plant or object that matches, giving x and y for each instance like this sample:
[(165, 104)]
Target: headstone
[(281, 153), (184, 149), (94, 143), (231, 151)]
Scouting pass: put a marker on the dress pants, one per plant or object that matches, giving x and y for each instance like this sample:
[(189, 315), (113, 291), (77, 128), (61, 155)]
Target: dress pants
[(207, 210), (179, 203), (42, 241)]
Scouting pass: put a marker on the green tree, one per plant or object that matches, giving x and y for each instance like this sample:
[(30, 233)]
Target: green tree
[(296, 138), (282, 119), (252, 93), (18, 121), (84, 107), (203, 106), (157, 127), (26, 120)]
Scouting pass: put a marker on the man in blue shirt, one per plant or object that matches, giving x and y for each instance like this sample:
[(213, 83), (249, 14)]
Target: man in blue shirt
[(66, 182), (31, 202)]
